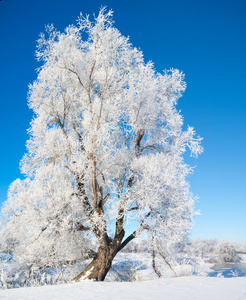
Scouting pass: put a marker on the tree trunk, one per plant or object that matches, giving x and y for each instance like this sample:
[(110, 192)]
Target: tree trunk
[(99, 266), (108, 249)]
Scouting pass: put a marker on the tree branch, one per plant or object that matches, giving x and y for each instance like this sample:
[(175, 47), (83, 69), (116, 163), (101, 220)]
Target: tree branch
[(126, 241), (150, 147), (158, 273), (139, 136), (92, 68), (74, 72), (133, 208), (81, 227), (102, 202), (134, 234), (94, 182), (165, 259)]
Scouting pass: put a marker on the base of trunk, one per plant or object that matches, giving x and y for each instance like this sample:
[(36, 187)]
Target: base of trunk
[(99, 267)]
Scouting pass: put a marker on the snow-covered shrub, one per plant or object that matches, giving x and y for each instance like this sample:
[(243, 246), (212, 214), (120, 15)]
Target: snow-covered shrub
[(15, 275), (226, 252), (199, 248), (184, 268)]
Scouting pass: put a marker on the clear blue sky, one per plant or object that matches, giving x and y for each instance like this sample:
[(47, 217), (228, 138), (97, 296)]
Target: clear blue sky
[(204, 39)]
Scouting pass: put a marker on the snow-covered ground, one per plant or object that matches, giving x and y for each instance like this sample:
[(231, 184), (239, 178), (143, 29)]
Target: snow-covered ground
[(189, 287), (208, 284)]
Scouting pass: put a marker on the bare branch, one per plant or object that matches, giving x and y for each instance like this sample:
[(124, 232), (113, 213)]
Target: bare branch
[(165, 259), (81, 227), (74, 72), (127, 139), (126, 241), (157, 272), (92, 68), (80, 138), (133, 208), (134, 234), (94, 181), (104, 200), (150, 147), (139, 136)]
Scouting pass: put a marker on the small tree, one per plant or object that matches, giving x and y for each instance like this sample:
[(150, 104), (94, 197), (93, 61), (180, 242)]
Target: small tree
[(106, 148), (227, 252)]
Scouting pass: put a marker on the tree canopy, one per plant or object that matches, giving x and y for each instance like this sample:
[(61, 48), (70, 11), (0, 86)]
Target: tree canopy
[(106, 149)]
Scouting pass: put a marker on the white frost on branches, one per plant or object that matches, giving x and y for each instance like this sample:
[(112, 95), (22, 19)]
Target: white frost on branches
[(106, 144)]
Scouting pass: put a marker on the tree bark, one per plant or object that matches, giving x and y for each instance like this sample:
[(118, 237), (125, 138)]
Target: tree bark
[(108, 249), (99, 266)]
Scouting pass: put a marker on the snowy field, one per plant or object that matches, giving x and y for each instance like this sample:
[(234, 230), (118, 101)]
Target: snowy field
[(189, 287), (208, 284)]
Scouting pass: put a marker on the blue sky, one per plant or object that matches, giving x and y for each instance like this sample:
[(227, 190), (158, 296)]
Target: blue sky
[(204, 39)]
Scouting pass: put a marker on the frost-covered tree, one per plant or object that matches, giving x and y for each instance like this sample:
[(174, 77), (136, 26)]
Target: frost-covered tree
[(106, 149), (226, 251), (200, 248)]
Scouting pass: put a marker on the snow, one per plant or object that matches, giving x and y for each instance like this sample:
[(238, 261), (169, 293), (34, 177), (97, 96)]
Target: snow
[(189, 287)]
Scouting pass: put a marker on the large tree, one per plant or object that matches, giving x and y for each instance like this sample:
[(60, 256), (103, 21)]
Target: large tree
[(106, 149)]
